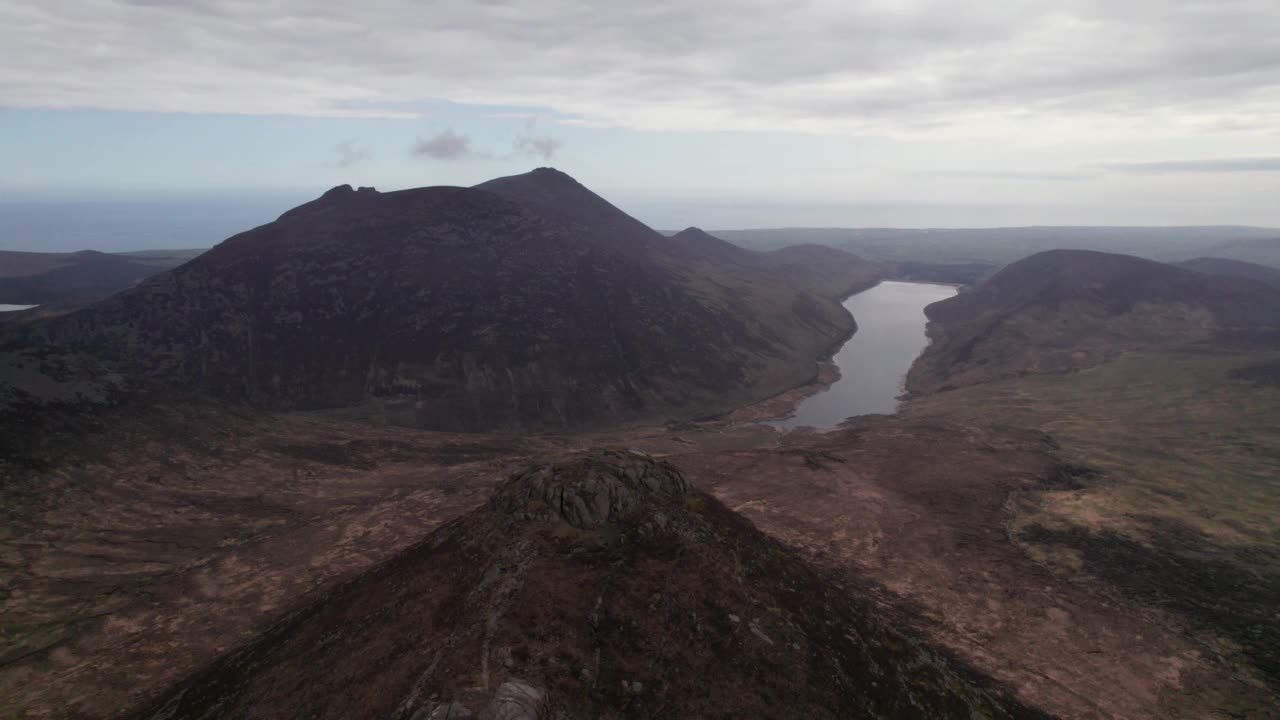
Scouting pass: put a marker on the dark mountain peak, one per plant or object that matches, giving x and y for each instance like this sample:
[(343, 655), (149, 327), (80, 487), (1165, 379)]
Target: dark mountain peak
[(605, 487), (550, 172), (696, 242), (557, 194), (547, 179), (337, 192), (697, 237), (340, 196), (529, 302)]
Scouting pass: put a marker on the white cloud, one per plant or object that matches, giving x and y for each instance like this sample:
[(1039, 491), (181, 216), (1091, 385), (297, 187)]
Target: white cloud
[(1036, 68)]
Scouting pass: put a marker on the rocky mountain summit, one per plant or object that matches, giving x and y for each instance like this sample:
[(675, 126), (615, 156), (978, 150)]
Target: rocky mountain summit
[(528, 303), (598, 585)]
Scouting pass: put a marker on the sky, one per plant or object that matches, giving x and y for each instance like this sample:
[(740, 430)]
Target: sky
[(752, 113)]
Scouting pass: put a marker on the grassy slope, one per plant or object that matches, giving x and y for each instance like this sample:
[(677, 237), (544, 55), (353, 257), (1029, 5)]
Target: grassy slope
[(1182, 507)]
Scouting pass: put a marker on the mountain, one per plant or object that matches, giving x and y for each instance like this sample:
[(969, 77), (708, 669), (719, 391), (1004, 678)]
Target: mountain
[(597, 585), (1234, 268), (1001, 245), (31, 278), (527, 303), (1070, 309)]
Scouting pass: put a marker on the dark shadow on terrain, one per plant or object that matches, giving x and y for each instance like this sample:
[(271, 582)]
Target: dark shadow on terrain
[(1218, 590), (1262, 374)]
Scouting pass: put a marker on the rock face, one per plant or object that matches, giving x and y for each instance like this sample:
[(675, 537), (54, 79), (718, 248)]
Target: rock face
[(593, 585), (526, 304), (591, 492), (1071, 309)]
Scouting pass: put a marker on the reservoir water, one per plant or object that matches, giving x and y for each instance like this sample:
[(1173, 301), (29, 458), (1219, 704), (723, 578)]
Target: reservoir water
[(12, 308), (874, 362)]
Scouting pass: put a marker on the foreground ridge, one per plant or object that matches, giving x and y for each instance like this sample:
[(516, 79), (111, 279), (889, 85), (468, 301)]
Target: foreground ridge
[(594, 585)]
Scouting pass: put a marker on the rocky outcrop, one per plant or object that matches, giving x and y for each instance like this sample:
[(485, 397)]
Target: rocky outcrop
[(513, 700), (610, 486)]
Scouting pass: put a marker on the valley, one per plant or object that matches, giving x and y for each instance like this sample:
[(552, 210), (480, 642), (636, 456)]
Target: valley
[(312, 444)]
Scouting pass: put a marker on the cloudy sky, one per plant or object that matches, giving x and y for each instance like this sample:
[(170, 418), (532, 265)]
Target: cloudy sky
[(715, 113)]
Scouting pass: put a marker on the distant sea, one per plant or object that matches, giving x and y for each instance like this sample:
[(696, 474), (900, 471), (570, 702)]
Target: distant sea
[(113, 226)]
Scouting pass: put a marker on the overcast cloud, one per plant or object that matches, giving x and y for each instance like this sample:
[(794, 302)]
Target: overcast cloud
[(825, 65)]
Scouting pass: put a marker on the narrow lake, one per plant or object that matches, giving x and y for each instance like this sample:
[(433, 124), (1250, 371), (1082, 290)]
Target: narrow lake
[(12, 308), (874, 362)]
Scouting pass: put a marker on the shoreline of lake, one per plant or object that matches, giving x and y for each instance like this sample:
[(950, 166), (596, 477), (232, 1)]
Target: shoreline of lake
[(869, 368)]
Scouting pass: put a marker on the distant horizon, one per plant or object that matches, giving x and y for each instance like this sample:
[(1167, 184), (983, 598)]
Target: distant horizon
[(824, 114), (192, 220)]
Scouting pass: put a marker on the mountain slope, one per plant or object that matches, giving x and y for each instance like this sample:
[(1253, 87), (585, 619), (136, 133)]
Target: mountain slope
[(1234, 268), (42, 278), (1070, 309), (456, 308), (826, 270), (557, 195), (591, 586)]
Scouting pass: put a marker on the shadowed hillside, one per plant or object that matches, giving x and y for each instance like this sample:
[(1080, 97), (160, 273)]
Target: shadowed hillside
[(456, 308), (32, 278)]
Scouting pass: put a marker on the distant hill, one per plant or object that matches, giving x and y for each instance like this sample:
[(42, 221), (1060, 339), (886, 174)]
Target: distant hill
[(1235, 268), (592, 586), (829, 270), (526, 303), (824, 270), (33, 278), (1263, 250), (1071, 309), (999, 246)]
